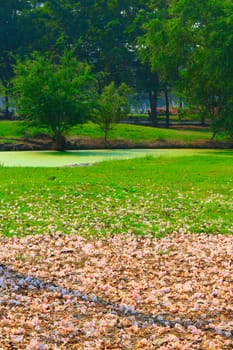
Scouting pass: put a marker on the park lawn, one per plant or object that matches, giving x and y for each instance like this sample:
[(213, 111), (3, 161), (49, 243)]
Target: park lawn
[(143, 196), (12, 129), (127, 132), (137, 133)]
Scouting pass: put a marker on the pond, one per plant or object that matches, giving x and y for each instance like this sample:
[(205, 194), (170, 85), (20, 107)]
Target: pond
[(82, 158)]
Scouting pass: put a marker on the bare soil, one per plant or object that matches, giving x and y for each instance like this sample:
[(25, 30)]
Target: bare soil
[(45, 142)]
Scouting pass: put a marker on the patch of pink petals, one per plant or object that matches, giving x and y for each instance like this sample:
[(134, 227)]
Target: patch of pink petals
[(181, 276)]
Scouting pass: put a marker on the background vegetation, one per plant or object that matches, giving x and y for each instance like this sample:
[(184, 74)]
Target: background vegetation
[(152, 46)]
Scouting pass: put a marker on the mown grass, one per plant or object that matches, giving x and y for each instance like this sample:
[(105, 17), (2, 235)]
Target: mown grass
[(10, 129), (144, 196), (19, 129), (134, 133), (138, 133)]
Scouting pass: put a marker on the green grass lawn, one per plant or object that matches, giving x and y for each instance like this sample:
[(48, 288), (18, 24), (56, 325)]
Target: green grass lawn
[(138, 133), (154, 196), (10, 129), (18, 129), (129, 132)]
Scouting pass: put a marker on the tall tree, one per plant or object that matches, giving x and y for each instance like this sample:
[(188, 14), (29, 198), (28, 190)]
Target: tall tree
[(113, 104), (159, 47), (10, 20), (56, 95), (207, 77), (151, 50), (23, 25), (104, 34), (98, 31), (191, 44)]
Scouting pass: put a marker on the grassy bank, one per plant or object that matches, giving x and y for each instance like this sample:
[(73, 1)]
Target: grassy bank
[(143, 196), (132, 133), (12, 129), (136, 133)]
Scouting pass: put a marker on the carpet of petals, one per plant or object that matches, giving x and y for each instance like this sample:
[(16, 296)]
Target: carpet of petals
[(186, 279)]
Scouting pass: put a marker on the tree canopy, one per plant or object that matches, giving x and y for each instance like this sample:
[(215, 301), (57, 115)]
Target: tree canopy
[(57, 95), (113, 104), (190, 46), (149, 45)]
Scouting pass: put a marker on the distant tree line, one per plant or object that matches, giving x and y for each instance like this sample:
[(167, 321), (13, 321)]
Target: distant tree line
[(149, 45)]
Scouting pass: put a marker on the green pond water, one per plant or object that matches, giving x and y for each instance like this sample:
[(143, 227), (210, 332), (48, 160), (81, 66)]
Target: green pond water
[(72, 158)]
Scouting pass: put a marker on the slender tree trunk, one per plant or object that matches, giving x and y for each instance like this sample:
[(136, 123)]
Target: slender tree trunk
[(213, 136), (181, 103), (167, 112), (7, 112), (203, 119), (6, 85), (106, 138), (180, 111), (153, 97), (106, 129)]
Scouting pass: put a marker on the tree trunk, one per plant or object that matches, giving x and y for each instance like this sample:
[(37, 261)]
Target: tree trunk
[(203, 119), (153, 97), (6, 112), (106, 138), (167, 112), (181, 103), (6, 86), (106, 129), (213, 136), (59, 142)]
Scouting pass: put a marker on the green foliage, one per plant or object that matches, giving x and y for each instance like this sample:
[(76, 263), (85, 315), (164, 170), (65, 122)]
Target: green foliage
[(9, 36), (207, 77), (112, 106), (20, 34), (189, 45), (98, 31), (56, 95), (183, 44)]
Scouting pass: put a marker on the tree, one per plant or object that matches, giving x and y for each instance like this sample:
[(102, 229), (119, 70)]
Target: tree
[(56, 95), (104, 34), (189, 45), (150, 49), (99, 31), (207, 77), (112, 106), (10, 40), (162, 46), (24, 28)]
